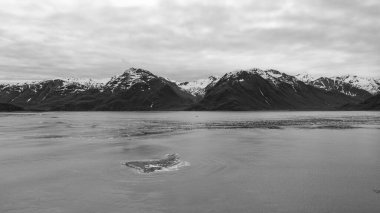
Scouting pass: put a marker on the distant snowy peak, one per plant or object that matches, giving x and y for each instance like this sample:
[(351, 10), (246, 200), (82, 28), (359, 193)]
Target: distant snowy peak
[(345, 84), (198, 87), (68, 85), (273, 76), (18, 82), (306, 78), (369, 84), (332, 84), (89, 83), (80, 85)]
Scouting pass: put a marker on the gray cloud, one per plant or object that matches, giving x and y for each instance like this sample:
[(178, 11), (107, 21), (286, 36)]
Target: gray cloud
[(187, 39)]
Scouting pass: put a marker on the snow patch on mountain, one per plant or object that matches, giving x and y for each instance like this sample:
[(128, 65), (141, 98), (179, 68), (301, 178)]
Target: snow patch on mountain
[(306, 77), (76, 85), (273, 76), (83, 81)]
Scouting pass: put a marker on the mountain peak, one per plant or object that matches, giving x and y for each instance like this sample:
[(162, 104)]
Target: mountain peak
[(137, 71), (273, 76), (129, 78)]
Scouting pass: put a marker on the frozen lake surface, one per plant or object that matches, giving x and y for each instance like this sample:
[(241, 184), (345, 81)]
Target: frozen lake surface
[(230, 162)]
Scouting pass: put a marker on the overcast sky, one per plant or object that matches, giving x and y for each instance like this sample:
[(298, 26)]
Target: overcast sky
[(187, 39)]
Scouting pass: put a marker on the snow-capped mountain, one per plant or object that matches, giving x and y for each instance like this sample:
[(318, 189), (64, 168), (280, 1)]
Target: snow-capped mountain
[(198, 87), (37, 92), (273, 76), (129, 78), (369, 84), (72, 85), (258, 89), (348, 85), (135, 89)]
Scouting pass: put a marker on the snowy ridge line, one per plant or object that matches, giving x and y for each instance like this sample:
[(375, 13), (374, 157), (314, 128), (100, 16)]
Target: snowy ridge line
[(273, 76), (132, 76), (67, 80), (370, 85), (72, 85)]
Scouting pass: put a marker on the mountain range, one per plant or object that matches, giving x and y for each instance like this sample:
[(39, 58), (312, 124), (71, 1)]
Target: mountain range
[(138, 89)]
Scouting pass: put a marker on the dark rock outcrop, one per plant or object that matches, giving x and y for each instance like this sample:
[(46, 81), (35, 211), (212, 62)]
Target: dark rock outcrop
[(372, 103), (154, 165), (4, 107)]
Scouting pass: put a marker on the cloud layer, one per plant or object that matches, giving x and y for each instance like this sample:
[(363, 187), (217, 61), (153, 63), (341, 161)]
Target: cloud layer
[(187, 39)]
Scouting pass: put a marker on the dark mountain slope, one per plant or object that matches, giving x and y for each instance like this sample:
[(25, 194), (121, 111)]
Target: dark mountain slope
[(372, 103), (4, 107), (139, 89), (46, 95), (135, 89)]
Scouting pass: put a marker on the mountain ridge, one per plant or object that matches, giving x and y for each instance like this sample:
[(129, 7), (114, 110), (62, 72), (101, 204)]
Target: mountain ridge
[(257, 89), (349, 85), (139, 89), (372, 103)]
